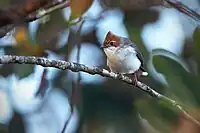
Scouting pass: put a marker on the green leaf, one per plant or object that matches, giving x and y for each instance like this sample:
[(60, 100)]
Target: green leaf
[(4, 3), (168, 63), (3, 129), (178, 76), (160, 116), (196, 38), (23, 70)]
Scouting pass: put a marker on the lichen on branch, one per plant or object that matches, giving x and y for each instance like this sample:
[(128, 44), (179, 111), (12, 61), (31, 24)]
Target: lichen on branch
[(76, 67)]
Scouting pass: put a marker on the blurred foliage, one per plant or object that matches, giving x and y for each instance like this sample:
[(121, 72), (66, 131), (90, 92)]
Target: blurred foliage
[(158, 115), (113, 105), (131, 5), (4, 3), (183, 86), (77, 10), (196, 37), (134, 23), (3, 129), (106, 108), (48, 33), (25, 45)]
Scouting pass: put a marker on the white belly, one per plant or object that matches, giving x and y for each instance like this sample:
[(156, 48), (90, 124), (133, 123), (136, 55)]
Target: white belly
[(122, 63), (125, 66)]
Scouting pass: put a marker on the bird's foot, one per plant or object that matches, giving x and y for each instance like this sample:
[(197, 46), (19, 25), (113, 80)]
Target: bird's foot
[(119, 76), (134, 79)]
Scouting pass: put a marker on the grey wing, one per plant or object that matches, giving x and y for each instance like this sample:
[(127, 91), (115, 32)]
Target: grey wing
[(140, 57), (138, 54), (128, 42)]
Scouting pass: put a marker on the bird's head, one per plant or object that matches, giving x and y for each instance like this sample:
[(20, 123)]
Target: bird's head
[(114, 41), (111, 40)]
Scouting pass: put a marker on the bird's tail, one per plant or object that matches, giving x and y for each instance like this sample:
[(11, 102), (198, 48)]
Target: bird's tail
[(144, 73)]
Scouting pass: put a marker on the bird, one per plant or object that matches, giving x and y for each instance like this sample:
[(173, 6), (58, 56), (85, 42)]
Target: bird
[(123, 56)]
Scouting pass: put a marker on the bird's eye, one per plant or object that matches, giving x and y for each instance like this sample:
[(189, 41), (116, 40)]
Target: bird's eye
[(111, 43)]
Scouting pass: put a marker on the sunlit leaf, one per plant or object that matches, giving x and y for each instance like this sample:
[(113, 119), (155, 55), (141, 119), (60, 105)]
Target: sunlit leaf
[(26, 46), (78, 7), (21, 35)]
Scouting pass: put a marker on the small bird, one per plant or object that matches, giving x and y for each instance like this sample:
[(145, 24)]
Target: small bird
[(123, 57)]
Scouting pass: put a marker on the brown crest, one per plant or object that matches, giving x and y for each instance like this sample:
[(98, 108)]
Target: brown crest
[(111, 39)]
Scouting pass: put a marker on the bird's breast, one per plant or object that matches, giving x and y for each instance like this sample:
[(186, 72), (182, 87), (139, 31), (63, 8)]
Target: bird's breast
[(122, 61)]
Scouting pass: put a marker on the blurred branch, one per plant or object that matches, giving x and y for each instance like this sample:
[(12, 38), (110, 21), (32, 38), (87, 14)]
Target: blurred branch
[(4, 30), (68, 119), (47, 11), (29, 11), (43, 85), (184, 9), (17, 13), (76, 88), (75, 67), (7, 22)]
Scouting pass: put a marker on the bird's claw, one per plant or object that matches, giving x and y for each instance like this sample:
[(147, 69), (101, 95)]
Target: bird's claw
[(119, 76), (134, 82), (134, 79)]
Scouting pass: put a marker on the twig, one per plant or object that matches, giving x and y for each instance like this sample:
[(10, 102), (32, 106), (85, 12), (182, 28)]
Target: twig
[(184, 9), (44, 12), (75, 67)]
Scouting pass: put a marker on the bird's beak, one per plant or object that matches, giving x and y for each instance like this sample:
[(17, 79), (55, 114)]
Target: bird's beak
[(104, 46)]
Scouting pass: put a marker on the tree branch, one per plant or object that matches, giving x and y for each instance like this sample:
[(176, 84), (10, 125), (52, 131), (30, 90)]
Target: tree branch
[(16, 13), (7, 23), (184, 9), (75, 67), (27, 12), (54, 7)]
